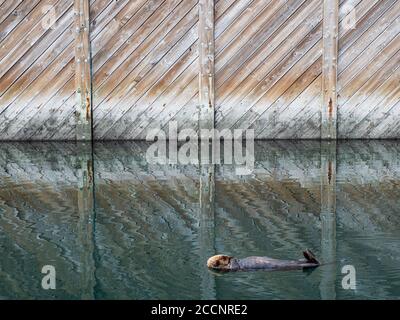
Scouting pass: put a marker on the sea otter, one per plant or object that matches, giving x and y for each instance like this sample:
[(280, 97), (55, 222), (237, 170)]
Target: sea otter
[(227, 263)]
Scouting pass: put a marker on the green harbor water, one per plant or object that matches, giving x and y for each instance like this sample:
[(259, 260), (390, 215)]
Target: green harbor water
[(117, 227)]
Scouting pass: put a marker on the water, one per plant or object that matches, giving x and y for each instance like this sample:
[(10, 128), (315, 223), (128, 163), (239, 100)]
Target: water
[(116, 227)]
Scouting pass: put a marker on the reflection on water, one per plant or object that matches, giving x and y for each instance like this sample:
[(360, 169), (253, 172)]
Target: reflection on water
[(115, 226)]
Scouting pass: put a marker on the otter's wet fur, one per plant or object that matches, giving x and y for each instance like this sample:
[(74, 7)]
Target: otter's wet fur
[(228, 263)]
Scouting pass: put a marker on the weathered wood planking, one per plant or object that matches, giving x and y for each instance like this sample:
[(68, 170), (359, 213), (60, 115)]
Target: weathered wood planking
[(369, 74), (258, 64), (274, 54), (329, 69), (83, 74), (36, 59), (206, 64), (146, 68)]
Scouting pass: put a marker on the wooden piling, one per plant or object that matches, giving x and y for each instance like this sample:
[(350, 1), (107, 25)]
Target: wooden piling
[(206, 63), (329, 69), (233, 64), (83, 77)]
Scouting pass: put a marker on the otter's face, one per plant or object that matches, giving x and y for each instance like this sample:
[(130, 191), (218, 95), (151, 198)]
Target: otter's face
[(219, 262)]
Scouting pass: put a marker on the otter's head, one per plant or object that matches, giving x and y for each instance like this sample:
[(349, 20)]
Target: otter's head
[(219, 262)]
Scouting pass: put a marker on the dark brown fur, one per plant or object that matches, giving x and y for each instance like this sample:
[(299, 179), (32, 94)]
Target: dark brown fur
[(228, 263)]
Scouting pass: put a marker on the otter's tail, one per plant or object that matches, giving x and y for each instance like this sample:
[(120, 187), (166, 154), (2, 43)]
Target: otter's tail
[(310, 257)]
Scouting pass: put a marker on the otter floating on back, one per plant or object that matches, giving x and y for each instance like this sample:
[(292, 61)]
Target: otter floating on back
[(227, 263)]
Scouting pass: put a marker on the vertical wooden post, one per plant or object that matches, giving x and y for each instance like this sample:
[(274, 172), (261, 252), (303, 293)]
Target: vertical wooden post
[(206, 121), (86, 218), (329, 69), (83, 84), (206, 61), (328, 219), (207, 229), (83, 77)]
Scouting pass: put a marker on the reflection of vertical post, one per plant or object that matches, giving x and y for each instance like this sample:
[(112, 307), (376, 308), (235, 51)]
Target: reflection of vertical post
[(86, 218), (328, 218), (206, 230)]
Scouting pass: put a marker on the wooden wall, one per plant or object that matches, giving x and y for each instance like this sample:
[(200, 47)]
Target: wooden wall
[(268, 56), (36, 70), (281, 67), (369, 74), (145, 67)]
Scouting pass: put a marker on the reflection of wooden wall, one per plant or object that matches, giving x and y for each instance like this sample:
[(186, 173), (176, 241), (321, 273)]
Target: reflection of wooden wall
[(368, 216), (157, 213), (38, 220), (147, 231), (369, 172), (46, 208)]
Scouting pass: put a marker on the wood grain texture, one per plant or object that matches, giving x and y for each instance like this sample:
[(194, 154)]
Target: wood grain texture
[(149, 77), (289, 69), (368, 79), (329, 69), (83, 73), (206, 62), (37, 59), (267, 66)]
